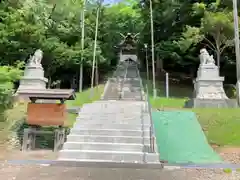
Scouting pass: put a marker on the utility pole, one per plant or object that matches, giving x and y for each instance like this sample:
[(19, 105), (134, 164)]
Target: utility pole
[(153, 57), (146, 59), (82, 46), (95, 49), (237, 51)]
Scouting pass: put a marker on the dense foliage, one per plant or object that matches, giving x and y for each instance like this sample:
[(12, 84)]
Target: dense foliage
[(8, 75), (181, 28)]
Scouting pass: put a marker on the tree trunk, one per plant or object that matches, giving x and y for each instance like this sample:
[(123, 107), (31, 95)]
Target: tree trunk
[(192, 73), (218, 52), (74, 82), (218, 59), (49, 82), (96, 74), (159, 66)]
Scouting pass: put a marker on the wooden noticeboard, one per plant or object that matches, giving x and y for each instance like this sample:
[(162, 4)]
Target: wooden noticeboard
[(46, 114)]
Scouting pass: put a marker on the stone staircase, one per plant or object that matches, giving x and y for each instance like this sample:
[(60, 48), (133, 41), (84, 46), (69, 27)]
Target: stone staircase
[(131, 89), (113, 87), (112, 90), (115, 129), (125, 84), (110, 131)]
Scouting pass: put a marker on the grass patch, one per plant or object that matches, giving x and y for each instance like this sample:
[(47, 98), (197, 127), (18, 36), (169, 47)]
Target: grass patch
[(175, 90), (84, 97), (161, 102), (71, 120), (228, 171), (220, 125)]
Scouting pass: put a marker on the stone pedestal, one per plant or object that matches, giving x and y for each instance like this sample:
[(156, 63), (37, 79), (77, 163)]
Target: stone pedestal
[(208, 89), (33, 78)]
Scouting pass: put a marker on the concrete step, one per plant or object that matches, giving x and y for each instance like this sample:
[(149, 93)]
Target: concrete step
[(99, 125), (103, 118), (152, 158), (110, 113), (113, 121), (113, 105), (108, 139), (108, 132), (111, 97), (127, 109), (137, 98), (113, 115), (109, 156), (119, 103), (96, 110), (106, 117), (110, 120), (113, 109), (103, 146), (132, 95)]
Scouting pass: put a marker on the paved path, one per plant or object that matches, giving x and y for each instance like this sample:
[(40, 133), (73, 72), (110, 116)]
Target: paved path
[(33, 172), (37, 172), (19, 168)]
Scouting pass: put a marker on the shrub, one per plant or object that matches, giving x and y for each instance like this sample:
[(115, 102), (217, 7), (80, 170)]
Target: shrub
[(8, 75)]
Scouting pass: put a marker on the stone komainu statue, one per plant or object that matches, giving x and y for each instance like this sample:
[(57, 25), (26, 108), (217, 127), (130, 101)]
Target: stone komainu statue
[(205, 58), (36, 58)]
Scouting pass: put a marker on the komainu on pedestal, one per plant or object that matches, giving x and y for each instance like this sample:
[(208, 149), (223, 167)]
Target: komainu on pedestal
[(34, 74), (208, 86)]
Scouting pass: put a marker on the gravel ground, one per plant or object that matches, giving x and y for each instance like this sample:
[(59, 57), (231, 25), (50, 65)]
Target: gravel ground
[(62, 173), (230, 155), (38, 172)]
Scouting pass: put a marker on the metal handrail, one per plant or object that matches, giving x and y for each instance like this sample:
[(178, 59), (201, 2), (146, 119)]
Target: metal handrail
[(151, 130)]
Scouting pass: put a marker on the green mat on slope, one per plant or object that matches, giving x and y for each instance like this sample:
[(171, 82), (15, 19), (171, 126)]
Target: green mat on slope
[(180, 138)]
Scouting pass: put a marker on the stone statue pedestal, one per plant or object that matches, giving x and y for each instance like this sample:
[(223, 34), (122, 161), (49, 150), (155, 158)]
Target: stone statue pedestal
[(208, 89), (33, 78)]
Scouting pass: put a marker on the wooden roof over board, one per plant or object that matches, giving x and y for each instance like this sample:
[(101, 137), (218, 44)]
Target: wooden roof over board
[(66, 94)]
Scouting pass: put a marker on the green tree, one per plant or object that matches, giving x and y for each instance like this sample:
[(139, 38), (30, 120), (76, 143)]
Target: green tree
[(218, 26)]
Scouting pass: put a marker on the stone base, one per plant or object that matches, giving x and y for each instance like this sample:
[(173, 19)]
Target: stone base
[(30, 83), (34, 71), (211, 103)]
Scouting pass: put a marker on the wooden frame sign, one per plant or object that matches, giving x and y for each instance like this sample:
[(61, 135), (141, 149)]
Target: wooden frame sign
[(46, 114)]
